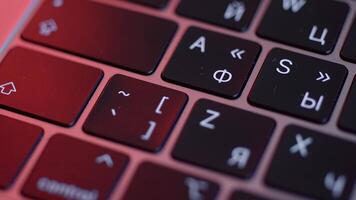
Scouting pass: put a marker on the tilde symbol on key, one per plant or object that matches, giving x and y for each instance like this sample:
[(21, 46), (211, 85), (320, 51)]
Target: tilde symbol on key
[(222, 76)]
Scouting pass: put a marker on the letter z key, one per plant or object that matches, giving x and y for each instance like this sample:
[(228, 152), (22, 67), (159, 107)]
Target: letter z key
[(212, 62), (298, 85), (223, 138)]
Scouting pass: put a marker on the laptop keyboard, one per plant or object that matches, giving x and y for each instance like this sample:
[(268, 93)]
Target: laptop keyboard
[(180, 99)]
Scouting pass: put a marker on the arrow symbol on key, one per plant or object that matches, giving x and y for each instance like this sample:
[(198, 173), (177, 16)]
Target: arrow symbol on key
[(323, 77), (7, 88), (106, 159), (237, 53)]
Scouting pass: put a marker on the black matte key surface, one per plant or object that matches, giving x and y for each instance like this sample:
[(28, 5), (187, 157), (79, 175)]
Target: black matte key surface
[(212, 62), (312, 25), (111, 35), (73, 169), (152, 3), (224, 138), (17, 141), (156, 182), (245, 196), (135, 112), (46, 87), (236, 15), (313, 164), (298, 85), (348, 115), (348, 51)]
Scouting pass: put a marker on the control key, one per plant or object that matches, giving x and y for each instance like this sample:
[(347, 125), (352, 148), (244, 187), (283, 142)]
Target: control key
[(78, 171)]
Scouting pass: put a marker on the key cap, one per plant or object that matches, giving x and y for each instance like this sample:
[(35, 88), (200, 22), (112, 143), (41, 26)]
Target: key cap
[(312, 25), (298, 85), (313, 164), (135, 112), (78, 171), (349, 48), (234, 14), (168, 184), (119, 37), (153, 3), (17, 141), (212, 62), (245, 196), (348, 115), (46, 87), (224, 138)]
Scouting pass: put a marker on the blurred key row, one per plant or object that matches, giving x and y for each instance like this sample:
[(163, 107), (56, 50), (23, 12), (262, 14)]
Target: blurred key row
[(304, 24), (57, 90), (204, 60), (118, 36), (210, 139)]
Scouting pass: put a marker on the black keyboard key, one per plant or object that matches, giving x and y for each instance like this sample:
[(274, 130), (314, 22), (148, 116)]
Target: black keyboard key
[(17, 141), (152, 3), (312, 25), (234, 14), (348, 51), (298, 85), (44, 86), (111, 35), (73, 169), (314, 164), (212, 62), (348, 115), (245, 196), (135, 112), (168, 184), (224, 138)]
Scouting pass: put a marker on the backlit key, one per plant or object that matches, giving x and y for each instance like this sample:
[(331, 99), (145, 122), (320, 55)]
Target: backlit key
[(111, 35), (212, 62), (298, 85), (314, 164), (310, 24), (156, 182), (46, 87), (224, 138), (72, 169), (135, 112), (234, 14)]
